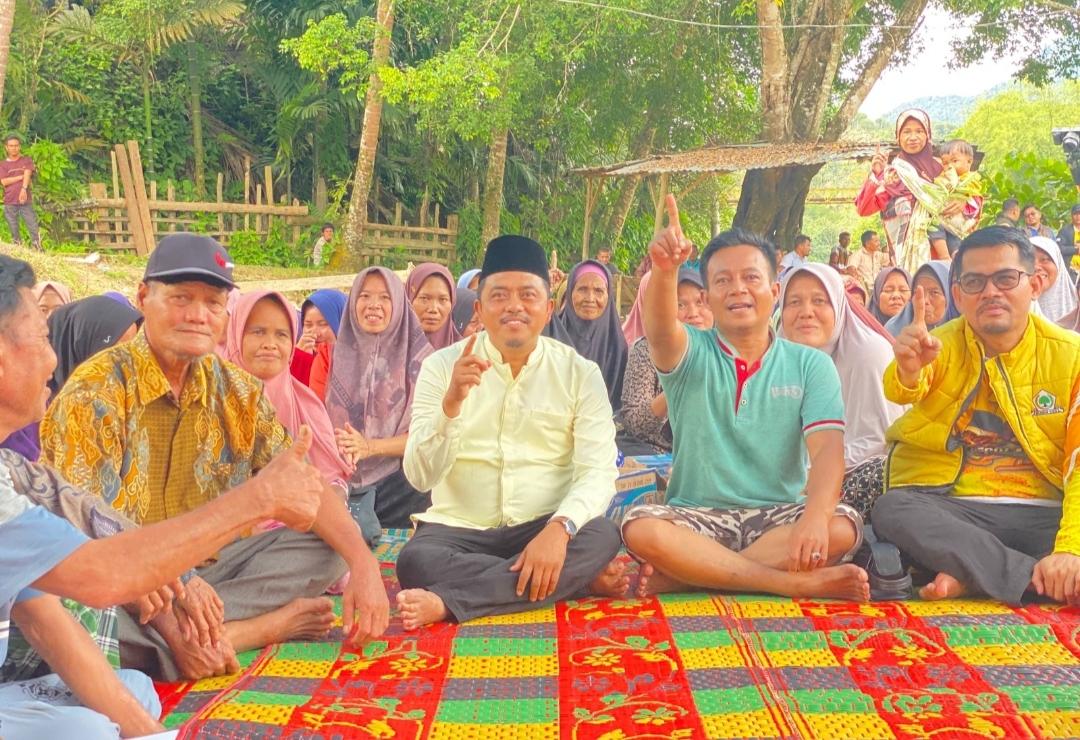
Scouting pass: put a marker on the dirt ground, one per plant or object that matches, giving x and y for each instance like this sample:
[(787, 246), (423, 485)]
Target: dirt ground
[(122, 273)]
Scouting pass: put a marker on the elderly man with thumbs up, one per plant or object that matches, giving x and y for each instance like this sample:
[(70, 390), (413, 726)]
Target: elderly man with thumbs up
[(981, 484), (160, 426), (512, 432)]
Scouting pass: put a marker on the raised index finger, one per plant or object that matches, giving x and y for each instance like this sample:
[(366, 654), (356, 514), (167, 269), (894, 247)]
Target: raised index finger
[(469, 345), (918, 308), (673, 214)]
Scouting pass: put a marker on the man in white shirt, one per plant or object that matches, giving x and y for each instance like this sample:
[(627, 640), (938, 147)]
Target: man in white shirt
[(797, 256), (512, 433)]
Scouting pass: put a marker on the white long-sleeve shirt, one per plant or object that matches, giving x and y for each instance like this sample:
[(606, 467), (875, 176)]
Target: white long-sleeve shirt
[(541, 444)]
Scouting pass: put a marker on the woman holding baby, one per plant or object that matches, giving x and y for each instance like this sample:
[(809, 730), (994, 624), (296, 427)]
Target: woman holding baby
[(888, 191)]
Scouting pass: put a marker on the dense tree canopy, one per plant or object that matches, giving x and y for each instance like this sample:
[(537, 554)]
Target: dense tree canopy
[(484, 106)]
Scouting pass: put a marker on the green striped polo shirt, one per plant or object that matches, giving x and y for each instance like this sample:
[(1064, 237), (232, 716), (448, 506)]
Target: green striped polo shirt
[(740, 431)]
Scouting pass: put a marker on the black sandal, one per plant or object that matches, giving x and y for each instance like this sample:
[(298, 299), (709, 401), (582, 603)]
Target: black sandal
[(889, 581)]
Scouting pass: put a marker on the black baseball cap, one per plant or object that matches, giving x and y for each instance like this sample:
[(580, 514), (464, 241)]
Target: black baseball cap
[(192, 257), (1076, 208)]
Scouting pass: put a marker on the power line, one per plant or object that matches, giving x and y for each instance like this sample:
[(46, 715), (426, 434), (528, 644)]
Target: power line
[(744, 27)]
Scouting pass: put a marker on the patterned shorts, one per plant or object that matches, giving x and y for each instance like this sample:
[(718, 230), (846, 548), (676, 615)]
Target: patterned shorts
[(737, 529)]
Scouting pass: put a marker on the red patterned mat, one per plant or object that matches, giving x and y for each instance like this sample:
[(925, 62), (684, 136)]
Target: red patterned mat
[(682, 666)]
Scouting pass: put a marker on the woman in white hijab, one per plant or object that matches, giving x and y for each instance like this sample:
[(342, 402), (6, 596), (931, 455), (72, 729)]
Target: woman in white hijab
[(1058, 296), (814, 311)]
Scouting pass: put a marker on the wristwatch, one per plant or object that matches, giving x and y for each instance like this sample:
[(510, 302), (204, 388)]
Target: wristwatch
[(569, 526)]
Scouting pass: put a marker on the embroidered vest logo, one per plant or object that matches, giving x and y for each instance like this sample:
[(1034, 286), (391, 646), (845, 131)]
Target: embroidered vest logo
[(787, 391), (1046, 403)]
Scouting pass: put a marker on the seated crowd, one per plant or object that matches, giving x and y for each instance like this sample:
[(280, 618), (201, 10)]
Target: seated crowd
[(241, 456)]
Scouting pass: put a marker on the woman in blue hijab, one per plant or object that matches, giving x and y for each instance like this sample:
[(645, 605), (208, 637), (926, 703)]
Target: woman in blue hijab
[(320, 319), (933, 278)]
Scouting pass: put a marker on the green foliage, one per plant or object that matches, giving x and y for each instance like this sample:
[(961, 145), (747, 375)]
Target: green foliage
[(1029, 178), (458, 93), (250, 248), (1019, 119), (333, 46), (54, 179)]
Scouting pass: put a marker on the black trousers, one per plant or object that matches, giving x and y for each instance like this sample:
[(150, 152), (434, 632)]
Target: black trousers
[(396, 501), (991, 547), (469, 569)]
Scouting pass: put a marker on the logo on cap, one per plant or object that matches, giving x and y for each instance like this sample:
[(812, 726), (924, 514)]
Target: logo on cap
[(220, 260)]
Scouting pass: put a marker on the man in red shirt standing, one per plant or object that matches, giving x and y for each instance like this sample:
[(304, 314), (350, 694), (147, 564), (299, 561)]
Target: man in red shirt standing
[(15, 173)]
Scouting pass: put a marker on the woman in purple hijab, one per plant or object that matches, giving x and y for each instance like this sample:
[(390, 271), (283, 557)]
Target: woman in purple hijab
[(370, 389)]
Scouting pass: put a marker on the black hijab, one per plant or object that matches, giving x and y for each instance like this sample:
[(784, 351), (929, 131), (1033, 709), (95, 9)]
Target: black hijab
[(81, 329), (600, 340)]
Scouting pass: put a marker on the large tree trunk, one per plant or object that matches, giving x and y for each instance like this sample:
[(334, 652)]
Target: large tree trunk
[(195, 101), (796, 96), (493, 187), (369, 137), (772, 202), (7, 22), (628, 187)]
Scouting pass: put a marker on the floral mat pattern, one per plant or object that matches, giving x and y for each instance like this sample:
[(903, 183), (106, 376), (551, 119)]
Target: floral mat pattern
[(680, 666)]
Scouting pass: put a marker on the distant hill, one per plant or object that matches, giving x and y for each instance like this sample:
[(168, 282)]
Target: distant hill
[(949, 111)]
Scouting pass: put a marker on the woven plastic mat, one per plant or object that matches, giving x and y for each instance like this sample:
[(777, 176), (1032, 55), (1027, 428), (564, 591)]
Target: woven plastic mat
[(679, 666)]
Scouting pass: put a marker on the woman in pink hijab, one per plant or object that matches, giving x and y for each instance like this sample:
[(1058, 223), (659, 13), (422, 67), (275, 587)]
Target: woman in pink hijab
[(51, 296), (634, 326), (260, 338)]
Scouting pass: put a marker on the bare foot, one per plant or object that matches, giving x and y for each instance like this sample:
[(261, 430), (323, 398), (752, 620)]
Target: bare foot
[(942, 587), (420, 607), (300, 619), (845, 582), (612, 581), (651, 582), (308, 619)]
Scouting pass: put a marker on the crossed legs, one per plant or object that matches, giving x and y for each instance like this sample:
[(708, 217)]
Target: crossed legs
[(744, 550)]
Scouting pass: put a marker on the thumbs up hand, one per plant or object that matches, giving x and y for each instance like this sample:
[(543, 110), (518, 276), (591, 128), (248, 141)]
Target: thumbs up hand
[(294, 484)]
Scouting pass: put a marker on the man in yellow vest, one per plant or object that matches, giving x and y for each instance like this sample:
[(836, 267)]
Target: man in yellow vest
[(979, 481)]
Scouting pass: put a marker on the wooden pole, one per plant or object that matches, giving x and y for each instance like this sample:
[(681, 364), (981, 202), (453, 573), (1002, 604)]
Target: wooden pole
[(115, 177), (268, 183), (138, 236), (220, 197), (247, 189), (588, 219), (170, 194), (139, 181), (296, 226), (661, 200)]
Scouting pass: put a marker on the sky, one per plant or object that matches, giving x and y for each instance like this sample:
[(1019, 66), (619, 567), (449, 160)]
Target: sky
[(929, 74)]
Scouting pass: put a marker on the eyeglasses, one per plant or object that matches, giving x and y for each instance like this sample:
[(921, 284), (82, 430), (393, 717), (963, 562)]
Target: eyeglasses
[(974, 283)]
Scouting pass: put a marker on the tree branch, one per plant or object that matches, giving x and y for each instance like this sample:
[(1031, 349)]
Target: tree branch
[(1059, 6), (837, 13), (775, 92), (891, 40)]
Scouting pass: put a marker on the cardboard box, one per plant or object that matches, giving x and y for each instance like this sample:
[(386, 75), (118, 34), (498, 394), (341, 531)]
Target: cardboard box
[(660, 463), (633, 487)]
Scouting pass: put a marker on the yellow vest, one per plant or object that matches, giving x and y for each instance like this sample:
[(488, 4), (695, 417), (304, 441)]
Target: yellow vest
[(1035, 387)]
